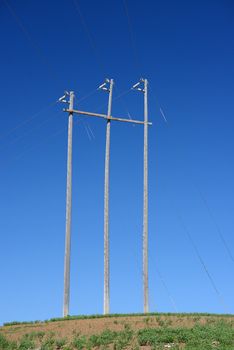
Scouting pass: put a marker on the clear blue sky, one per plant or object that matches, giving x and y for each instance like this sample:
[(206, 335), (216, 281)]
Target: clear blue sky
[(186, 50)]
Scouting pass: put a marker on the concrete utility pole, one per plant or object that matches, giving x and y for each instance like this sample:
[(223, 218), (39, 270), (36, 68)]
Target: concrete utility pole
[(145, 207), (145, 194), (67, 257), (106, 305)]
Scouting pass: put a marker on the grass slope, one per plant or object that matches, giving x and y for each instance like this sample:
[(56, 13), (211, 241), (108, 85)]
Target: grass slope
[(135, 332)]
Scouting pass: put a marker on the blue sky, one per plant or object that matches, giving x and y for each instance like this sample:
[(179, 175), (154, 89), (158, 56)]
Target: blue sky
[(186, 50)]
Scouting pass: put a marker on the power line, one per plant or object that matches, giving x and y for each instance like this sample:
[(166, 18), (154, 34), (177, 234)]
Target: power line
[(49, 137), (167, 290), (91, 93), (106, 190), (159, 105), (163, 115), (34, 116), (123, 102), (165, 119), (134, 49), (30, 147), (93, 45), (89, 35), (30, 131), (26, 121), (131, 37), (91, 131), (210, 278), (87, 131), (213, 219), (35, 46), (196, 249), (211, 214), (116, 98)]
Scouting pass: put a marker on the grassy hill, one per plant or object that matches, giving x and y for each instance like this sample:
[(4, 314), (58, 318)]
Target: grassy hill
[(119, 332)]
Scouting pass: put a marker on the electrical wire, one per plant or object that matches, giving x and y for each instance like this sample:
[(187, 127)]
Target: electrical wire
[(30, 131), (29, 148), (123, 102), (162, 114), (35, 46), (131, 37), (211, 214), (91, 93), (167, 290), (213, 219), (123, 93), (210, 278), (91, 130), (212, 282), (134, 49), (86, 129), (165, 119), (26, 121), (114, 98), (33, 117), (94, 48), (89, 35)]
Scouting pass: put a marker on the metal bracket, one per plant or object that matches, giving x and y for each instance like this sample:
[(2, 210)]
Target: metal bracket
[(63, 98), (138, 86), (105, 85)]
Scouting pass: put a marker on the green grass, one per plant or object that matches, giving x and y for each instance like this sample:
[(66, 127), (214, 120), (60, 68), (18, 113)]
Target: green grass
[(218, 334)]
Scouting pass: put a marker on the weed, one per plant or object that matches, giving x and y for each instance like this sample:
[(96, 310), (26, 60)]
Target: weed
[(161, 322), (60, 343), (7, 345), (105, 338), (135, 347), (79, 342), (26, 344), (35, 335), (147, 320), (169, 322), (199, 337), (48, 344), (67, 347), (127, 327), (123, 338)]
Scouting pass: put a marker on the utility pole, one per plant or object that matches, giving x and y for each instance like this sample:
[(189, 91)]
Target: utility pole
[(106, 305), (145, 208), (67, 257), (108, 87), (145, 194)]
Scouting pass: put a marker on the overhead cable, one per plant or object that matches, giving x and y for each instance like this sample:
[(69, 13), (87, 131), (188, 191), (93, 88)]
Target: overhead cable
[(210, 278), (35, 46)]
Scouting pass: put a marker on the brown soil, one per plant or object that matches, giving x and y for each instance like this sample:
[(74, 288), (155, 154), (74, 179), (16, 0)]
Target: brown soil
[(69, 328)]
